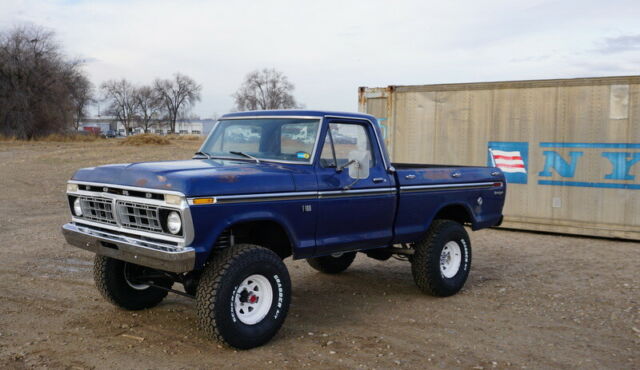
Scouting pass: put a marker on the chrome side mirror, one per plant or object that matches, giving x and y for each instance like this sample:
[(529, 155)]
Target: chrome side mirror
[(359, 169)]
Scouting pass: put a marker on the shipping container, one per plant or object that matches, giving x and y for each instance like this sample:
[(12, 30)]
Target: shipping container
[(570, 148)]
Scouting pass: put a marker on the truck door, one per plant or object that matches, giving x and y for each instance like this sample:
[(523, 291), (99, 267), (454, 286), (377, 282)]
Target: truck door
[(353, 213)]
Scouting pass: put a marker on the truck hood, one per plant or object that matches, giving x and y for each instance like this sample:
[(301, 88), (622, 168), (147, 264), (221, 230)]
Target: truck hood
[(197, 177)]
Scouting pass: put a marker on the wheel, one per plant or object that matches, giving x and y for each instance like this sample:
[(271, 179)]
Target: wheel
[(243, 296), (116, 281), (442, 260), (333, 263)]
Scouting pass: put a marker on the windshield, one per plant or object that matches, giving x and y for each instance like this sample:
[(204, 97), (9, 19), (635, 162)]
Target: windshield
[(280, 139)]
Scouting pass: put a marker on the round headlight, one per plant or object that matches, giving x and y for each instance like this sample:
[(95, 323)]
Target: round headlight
[(77, 209), (174, 223)]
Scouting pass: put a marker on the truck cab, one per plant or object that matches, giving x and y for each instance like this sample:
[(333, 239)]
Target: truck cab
[(265, 186)]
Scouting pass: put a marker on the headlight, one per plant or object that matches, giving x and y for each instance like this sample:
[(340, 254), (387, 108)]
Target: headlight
[(72, 188), (77, 208), (174, 223)]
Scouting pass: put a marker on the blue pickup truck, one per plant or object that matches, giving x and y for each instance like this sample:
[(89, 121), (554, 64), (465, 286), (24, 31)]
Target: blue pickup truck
[(265, 186)]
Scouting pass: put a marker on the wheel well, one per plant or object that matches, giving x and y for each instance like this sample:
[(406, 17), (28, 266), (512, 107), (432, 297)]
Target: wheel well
[(268, 234), (455, 212)]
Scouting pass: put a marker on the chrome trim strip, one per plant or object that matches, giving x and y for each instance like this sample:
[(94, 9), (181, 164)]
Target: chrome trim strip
[(358, 192), (154, 202), (266, 197), (315, 145), (168, 248), (82, 221), (446, 186), (124, 187), (375, 131)]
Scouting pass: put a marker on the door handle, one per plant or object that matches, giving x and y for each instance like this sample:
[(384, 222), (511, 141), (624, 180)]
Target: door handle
[(378, 179), (410, 177), (456, 174)]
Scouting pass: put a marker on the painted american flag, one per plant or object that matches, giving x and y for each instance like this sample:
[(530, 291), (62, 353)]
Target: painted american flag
[(508, 161)]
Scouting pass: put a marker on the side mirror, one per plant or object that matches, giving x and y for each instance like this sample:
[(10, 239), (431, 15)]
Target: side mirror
[(360, 168)]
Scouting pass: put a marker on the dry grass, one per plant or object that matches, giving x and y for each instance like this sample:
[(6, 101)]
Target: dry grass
[(145, 139), (71, 138), (184, 137), (64, 138), (7, 138)]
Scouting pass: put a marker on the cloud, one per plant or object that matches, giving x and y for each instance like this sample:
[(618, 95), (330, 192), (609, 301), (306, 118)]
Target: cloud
[(620, 44)]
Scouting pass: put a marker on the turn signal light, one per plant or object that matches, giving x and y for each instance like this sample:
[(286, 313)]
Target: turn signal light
[(199, 201)]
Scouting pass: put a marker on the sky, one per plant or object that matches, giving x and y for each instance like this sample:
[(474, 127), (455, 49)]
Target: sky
[(330, 48)]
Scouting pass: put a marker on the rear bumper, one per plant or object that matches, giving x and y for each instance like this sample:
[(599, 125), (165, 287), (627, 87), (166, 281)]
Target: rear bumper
[(141, 252)]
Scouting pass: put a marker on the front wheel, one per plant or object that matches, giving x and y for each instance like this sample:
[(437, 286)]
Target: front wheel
[(442, 260), (243, 296), (119, 283)]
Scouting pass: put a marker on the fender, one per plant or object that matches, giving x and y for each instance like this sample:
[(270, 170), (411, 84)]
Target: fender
[(219, 226), (470, 215)]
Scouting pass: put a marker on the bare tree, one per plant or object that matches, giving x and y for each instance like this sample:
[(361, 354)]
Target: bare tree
[(120, 97), (148, 106), (265, 89), (178, 95), (36, 83), (82, 96)]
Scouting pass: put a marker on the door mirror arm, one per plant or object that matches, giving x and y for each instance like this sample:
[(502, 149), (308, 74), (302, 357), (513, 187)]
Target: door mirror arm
[(340, 168), (357, 166)]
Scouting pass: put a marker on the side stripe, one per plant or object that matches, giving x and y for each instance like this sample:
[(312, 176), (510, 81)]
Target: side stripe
[(300, 195), (440, 187)]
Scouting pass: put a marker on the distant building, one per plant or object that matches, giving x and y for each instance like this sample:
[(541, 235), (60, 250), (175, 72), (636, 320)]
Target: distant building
[(183, 127), (100, 124)]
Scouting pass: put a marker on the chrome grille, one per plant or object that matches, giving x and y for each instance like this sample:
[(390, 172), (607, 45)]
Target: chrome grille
[(139, 216), (97, 209)]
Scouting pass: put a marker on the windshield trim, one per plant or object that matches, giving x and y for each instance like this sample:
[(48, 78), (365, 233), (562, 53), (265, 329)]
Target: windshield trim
[(305, 163)]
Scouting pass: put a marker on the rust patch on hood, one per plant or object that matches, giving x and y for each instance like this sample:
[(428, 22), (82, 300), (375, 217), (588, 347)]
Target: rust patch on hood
[(141, 182), (227, 178)]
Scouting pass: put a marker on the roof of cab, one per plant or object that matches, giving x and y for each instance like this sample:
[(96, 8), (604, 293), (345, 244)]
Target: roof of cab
[(298, 112)]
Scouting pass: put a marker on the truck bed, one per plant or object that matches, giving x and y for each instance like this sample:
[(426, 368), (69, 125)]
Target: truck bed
[(428, 191)]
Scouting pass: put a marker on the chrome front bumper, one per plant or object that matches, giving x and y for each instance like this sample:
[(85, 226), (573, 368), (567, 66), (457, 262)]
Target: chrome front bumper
[(141, 252)]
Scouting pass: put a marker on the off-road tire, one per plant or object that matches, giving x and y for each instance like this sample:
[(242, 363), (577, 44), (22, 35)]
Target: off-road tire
[(109, 277), (425, 263), (220, 280), (332, 265)]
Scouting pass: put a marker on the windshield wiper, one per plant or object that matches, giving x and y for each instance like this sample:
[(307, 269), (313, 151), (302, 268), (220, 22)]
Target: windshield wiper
[(246, 155), (204, 154)]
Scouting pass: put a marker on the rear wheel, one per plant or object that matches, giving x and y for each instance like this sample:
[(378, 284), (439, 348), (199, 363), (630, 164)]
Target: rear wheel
[(333, 263), (243, 296), (119, 283), (442, 260)]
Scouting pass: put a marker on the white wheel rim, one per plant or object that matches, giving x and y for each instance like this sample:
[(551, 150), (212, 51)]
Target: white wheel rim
[(450, 259), (129, 283), (253, 299)]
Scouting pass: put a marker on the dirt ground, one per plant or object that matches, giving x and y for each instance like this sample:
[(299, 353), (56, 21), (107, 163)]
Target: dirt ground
[(532, 300)]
